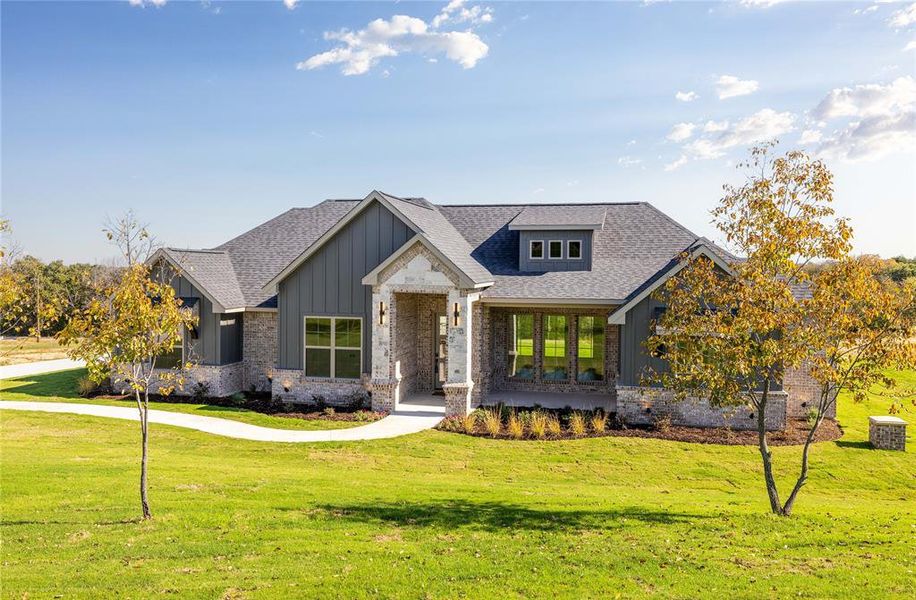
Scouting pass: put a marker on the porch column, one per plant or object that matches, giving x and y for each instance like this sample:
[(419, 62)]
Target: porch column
[(459, 383), (384, 383)]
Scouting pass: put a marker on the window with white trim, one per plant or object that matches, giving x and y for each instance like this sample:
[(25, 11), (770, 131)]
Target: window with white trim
[(333, 347), (555, 249), (574, 249), (536, 249)]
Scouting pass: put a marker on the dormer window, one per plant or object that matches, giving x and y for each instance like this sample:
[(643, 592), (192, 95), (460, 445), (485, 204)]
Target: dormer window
[(555, 249), (574, 249), (536, 249)]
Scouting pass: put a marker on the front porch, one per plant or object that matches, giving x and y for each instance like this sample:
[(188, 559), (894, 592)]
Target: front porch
[(553, 400)]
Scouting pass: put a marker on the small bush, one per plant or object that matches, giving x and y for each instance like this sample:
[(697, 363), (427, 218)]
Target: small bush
[(469, 422), (554, 429), (238, 399), (598, 421), (492, 420), (514, 427), (811, 416), (362, 416), (200, 391), (662, 423), (86, 387), (538, 424), (328, 411), (452, 424), (577, 423)]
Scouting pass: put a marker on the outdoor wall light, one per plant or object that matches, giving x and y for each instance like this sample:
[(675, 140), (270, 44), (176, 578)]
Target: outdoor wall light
[(381, 313), (286, 386), (456, 314)]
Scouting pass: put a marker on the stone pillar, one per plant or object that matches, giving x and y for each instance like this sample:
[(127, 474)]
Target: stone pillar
[(459, 384), (887, 433), (384, 383)]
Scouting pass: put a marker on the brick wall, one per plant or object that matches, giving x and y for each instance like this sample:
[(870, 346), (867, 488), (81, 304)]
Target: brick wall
[(803, 393), (221, 380), (642, 406), (290, 385), (259, 348), (887, 433)]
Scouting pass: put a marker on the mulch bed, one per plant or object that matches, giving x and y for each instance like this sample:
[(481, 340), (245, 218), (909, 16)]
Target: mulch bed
[(795, 434)]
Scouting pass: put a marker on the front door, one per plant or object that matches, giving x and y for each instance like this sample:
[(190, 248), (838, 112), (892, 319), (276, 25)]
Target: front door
[(440, 367)]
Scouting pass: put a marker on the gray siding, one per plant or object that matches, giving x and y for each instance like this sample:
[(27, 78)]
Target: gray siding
[(231, 330), (548, 264), (633, 334), (329, 283)]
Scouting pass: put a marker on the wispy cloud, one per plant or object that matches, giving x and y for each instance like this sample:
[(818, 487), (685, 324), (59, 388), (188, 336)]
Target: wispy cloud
[(628, 161), (729, 86), (761, 3), (686, 96), (677, 164), (910, 46), (904, 17), (762, 125), (810, 136), (362, 50), (681, 132), (145, 3)]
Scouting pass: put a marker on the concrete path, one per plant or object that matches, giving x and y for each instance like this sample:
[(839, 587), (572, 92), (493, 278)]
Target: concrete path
[(37, 368), (409, 419)]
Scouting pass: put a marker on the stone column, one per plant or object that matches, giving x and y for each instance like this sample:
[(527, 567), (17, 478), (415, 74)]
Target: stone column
[(460, 353), (384, 383)]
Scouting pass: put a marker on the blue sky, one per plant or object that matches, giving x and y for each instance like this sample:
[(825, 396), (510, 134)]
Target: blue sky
[(209, 118)]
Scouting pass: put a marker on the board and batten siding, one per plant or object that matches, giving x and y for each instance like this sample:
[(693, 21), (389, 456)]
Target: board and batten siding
[(215, 344), (329, 283), (553, 264)]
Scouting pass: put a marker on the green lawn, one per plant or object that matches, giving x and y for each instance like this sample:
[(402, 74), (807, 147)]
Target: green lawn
[(14, 351), (61, 386), (443, 515)]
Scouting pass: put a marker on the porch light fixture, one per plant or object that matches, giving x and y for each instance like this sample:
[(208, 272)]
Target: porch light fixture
[(456, 314), (381, 313)]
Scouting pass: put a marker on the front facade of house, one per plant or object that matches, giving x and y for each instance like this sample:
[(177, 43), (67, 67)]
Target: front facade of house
[(404, 300)]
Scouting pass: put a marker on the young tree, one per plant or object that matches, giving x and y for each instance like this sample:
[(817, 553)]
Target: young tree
[(131, 237), (729, 337), (121, 334)]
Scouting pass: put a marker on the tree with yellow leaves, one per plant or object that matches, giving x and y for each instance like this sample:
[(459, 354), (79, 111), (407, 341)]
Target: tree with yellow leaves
[(729, 337)]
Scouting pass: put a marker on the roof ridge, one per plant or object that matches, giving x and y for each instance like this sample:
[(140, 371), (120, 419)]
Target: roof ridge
[(198, 250), (491, 205)]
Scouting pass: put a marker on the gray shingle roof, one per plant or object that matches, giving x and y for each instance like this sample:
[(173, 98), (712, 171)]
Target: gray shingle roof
[(635, 243), (559, 216), (213, 270)]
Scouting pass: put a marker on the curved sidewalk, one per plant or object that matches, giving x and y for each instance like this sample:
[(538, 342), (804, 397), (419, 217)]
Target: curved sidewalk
[(39, 367), (412, 419)]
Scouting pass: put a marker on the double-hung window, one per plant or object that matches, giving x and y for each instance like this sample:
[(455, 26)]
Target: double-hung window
[(521, 346), (174, 357), (590, 348), (555, 249), (536, 249), (333, 347), (554, 357)]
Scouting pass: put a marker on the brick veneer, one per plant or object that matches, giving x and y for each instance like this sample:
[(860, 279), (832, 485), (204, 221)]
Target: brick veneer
[(290, 385), (642, 406), (259, 348), (887, 433), (221, 380), (803, 393)]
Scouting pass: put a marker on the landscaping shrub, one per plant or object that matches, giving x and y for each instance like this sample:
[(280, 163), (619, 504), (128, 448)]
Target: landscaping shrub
[(811, 416), (469, 421), (598, 421), (538, 424), (577, 423), (362, 416), (492, 420), (238, 399), (554, 429), (86, 387), (200, 391), (514, 427), (328, 411), (662, 423)]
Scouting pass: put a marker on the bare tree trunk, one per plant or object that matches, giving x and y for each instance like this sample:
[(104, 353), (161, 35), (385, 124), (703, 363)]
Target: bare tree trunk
[(765, 455), (143, 407), (823, 407)]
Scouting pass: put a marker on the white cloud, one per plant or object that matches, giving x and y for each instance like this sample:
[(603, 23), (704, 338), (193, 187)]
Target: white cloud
[(868, 100), (455, 12), (880, 119), (628, 161), (681, 132), (762, 125), (865, 11), (631, 143), (680, 162), (290, 4), (761, 3), (537, 191), (686, 96), (729, 86), (810, 136), (144, 3), (361, 50), (714, 126), (910, 46), (904, 17)]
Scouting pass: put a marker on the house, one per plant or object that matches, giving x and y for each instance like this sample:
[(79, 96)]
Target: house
[(401, 299)]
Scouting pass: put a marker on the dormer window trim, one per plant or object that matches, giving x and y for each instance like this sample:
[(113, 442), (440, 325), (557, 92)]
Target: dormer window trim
[(550, 255), (531, 244), (569, 244)]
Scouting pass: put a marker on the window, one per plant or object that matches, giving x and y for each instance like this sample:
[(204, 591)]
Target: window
[(574, 249), (556, 249), (554, 347), (521, 346), (536, 249), (174, 357), (590, 347), (333, 347)]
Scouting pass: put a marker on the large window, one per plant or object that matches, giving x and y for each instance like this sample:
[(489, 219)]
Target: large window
[(333, 347), (174, 357), (521, 346), (590, 348), (555, 362)]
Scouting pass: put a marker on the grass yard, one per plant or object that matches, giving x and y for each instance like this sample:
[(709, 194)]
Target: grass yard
[(61, 387), (14, 351), (440, 515)]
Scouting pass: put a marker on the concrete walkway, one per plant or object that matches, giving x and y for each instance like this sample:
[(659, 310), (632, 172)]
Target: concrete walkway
[(37, 368), (409, 419)]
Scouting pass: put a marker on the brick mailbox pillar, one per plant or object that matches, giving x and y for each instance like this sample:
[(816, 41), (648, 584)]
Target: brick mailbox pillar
[(887, 433)]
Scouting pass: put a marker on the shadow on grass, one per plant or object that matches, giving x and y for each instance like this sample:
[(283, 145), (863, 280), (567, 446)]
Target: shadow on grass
[(861, 445), (61, 384), (499, 515)]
